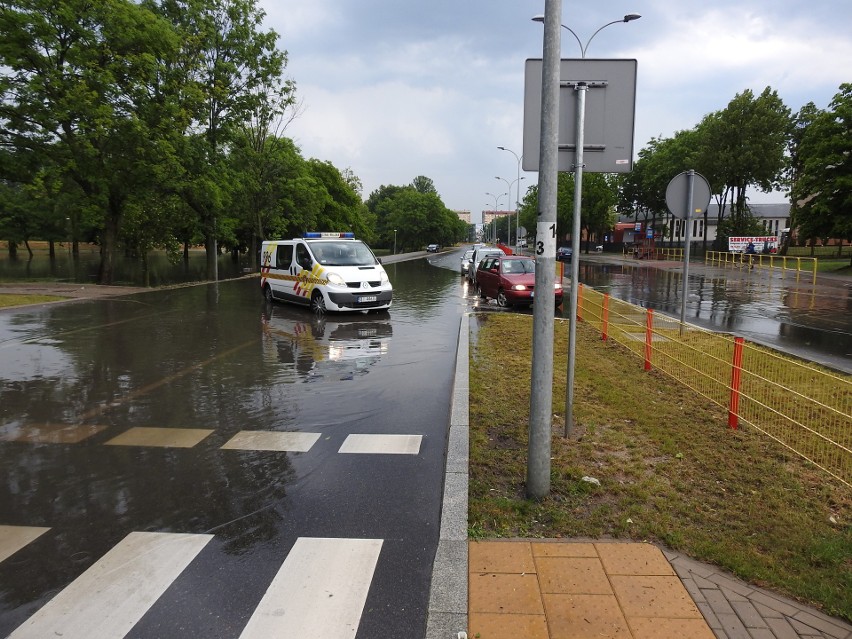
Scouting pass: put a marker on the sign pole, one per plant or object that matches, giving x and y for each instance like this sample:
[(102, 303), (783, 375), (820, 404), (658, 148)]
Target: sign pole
[(690, 189), (575, 257)]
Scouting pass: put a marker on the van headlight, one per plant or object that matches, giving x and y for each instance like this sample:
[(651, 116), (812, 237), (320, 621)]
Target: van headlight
[(385, 279), (335, 279)]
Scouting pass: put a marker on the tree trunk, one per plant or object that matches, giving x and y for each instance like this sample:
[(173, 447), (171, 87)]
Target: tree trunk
[(106, 271), (51, 250), (13, 250), (212, 251)]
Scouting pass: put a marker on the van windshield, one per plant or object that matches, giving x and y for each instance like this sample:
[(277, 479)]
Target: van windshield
[(343, 253)]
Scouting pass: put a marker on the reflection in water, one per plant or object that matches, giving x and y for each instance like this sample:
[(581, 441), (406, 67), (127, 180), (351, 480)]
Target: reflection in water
[(84, 269), (313, 347), (218, 358), (796, 317)]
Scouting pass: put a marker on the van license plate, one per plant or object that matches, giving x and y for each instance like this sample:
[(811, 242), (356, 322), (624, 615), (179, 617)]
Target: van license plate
[(366, 298)]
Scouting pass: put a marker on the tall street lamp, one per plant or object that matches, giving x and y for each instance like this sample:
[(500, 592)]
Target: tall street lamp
[(496, 199), (509, 215), (517, 193), (394, 241), (585, 47), (580, 88)]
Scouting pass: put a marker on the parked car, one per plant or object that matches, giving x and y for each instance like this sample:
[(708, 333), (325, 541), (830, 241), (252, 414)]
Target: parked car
[(465, 261), (563, 254), (432, 248), (478, 255), (510, 280)]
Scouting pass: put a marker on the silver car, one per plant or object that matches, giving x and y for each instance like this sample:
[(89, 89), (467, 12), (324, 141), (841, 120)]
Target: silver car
[(465, 261), (478, 255)]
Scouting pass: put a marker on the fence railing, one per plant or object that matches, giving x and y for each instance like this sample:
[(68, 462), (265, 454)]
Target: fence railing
[(649, 253), (760, 260), (802, 406)]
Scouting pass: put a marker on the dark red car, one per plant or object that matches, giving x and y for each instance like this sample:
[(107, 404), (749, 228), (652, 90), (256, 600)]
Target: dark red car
[(510, 279)]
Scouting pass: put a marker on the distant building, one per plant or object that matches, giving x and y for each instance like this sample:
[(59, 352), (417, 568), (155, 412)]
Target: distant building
[(464, 216), (490, 216), (773, 217)]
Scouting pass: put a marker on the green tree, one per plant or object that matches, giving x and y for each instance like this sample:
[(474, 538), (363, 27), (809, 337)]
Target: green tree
[(749, 139), (419, 218), (597, 207), (235, 72), (83, 92), (822, 191), (422, 184)]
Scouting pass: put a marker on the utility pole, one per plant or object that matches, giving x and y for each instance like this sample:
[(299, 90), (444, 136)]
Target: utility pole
[(541, 383)]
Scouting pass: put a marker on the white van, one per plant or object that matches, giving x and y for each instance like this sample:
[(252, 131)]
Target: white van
[(326, 271)]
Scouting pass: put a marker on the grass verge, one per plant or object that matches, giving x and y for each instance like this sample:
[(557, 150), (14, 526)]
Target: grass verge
[(670, 471), (8, 300)]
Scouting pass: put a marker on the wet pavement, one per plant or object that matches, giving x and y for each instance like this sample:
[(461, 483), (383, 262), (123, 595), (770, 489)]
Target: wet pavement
[(780, 309), (238, 444), (237, 447)]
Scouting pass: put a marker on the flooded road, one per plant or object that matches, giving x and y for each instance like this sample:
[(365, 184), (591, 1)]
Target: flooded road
[(813, 322), (227, 449)]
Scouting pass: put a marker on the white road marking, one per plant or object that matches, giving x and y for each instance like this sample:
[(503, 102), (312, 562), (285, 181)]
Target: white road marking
[(319, 591), (107, 600), (162, 437), (382, 444), (13, 538), (271, 440)]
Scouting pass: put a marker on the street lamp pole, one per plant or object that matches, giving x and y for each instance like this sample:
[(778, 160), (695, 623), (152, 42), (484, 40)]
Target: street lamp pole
[(517, 193), (509, 216), (580, 88), (394, 241), (496, 199), (585, 47)]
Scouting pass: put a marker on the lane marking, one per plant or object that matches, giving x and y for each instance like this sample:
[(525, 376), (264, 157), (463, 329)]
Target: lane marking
[(382, 444), (271, 440), (164, 437), (50, 433), (319, 591), (13, 538), (107, 600)]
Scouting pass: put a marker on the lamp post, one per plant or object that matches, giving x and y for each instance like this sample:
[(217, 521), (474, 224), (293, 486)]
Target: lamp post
[(580, 88), (394, 241), (518, 191), (496, 199), (585, 47), (509, 215)]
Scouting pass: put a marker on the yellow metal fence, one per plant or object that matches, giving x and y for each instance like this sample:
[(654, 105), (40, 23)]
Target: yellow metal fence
[(653, 253), (759, 260), (802, 406)]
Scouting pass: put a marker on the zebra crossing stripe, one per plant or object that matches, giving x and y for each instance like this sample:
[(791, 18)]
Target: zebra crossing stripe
[(319, 591), (13, 538), (107, 600), (382, 444)]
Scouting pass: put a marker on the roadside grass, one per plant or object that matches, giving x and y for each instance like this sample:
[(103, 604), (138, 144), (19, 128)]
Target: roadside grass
[(7, 300), (670, 470), (838, 267)]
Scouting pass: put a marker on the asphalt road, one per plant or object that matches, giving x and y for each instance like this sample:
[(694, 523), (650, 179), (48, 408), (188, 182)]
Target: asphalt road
[(260, 472)]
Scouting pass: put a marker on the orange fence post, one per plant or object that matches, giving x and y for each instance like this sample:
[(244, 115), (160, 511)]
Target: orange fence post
[(649, 333), (605, 323), (736, 378), (579, 302)]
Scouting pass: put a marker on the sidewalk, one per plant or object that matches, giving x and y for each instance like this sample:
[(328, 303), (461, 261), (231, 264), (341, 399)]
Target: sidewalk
[(579, 589)]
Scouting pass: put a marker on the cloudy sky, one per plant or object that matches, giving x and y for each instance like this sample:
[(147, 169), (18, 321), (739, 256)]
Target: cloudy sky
[(395, 89)]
